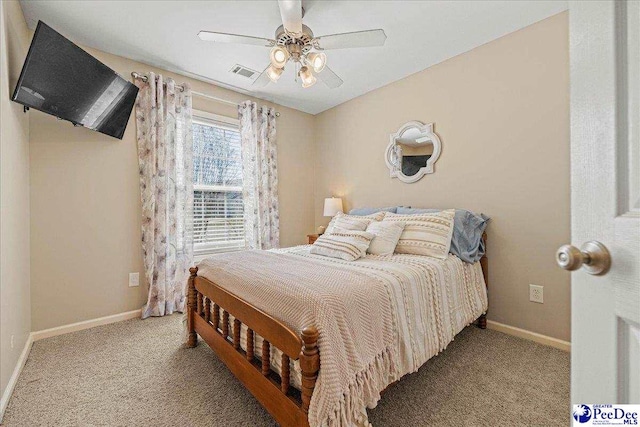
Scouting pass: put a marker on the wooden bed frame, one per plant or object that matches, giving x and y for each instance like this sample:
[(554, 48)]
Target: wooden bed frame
[(287, 405)]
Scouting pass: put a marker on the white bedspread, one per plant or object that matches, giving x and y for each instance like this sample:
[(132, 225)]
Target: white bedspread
[(432, 301), (437, 299)]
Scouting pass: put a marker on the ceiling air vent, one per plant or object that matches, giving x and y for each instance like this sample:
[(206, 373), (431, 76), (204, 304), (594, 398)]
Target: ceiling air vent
[(244, 71)]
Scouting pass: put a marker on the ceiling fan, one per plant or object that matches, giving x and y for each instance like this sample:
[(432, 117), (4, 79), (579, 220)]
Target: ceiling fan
[(295, 42)]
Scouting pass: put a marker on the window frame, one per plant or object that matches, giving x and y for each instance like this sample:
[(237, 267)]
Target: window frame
[(210, 119)]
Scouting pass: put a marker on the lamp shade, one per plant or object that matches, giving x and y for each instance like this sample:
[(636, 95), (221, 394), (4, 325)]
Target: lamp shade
[(332, 206)]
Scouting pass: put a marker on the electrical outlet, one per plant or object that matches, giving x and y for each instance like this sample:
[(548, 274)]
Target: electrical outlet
[(12, 340), (536, 293), (134, 279)]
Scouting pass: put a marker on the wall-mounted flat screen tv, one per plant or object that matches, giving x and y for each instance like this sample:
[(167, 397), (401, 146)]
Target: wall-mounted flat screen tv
[(63, 80)]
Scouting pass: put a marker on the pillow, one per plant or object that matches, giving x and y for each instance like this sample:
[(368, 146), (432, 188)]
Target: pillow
[(386, 235), (466, 242), (346, 222), (373, 217), (425, 234), (348, 245), (369, 211)]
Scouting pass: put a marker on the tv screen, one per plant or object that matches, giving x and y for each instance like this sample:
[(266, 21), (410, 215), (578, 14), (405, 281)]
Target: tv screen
[(63, 80)]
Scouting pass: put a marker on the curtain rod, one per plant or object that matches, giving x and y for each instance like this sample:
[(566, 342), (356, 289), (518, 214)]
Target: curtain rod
[(144, 78)]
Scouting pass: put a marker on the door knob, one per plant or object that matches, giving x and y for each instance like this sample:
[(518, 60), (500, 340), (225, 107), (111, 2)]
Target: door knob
[(593, 256)]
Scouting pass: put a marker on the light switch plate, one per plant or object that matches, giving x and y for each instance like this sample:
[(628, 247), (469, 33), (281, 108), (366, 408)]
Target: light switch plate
[(134, 279)]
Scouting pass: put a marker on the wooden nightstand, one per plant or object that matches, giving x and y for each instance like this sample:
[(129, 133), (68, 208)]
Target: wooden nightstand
[(312, 238)]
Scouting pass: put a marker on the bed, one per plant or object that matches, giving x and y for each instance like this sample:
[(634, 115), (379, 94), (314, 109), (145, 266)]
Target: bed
[(315, 339)]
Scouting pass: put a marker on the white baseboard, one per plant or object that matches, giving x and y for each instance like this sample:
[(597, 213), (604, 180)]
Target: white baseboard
[(528, 335), (8, 391), (79, 326), (52, 332)]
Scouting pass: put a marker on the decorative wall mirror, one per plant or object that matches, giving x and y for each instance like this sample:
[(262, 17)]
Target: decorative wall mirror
[(412, 151)]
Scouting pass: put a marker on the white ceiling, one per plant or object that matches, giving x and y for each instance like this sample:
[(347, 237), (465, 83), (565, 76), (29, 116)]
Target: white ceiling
[(163, 33)]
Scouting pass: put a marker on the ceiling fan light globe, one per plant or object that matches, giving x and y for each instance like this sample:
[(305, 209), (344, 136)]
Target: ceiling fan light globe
[(310, 82), (317, 60), (274, 73), (279, 56), (307, 77)]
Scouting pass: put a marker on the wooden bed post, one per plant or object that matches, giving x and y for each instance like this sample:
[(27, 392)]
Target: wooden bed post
[(482, 321), (484, 263), (309, 364), (192, 339)]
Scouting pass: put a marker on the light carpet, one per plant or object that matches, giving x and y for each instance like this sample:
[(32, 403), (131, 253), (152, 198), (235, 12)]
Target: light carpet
[(136, 373)]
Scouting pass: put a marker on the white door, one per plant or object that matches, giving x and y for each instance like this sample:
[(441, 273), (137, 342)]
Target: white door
[(605, 199)]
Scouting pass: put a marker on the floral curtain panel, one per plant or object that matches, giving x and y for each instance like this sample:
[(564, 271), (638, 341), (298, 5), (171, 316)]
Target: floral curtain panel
[(165, 158), (260, 175)]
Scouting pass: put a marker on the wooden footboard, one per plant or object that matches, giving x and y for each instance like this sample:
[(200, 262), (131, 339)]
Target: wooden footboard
[(208, 310)]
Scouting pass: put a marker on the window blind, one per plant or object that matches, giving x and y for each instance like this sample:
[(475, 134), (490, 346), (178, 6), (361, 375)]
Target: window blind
[(218, 209)]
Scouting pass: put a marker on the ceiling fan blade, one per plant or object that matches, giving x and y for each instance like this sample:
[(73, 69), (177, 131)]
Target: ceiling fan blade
[(328, 77), (211, 36), (262, 79), (291, 13), (367, 38)]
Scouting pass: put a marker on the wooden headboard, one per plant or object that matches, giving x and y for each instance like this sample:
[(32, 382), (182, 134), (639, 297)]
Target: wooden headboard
[(484, 263)]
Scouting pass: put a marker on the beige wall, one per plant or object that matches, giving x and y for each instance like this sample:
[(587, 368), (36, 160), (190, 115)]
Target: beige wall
[(502, 112), (85, 198), (15, 308)]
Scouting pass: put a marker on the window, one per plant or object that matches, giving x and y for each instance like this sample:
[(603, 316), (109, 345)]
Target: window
[(218, 223)]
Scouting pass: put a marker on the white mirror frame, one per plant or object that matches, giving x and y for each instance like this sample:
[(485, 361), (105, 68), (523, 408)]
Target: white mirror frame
[(426, 131)]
